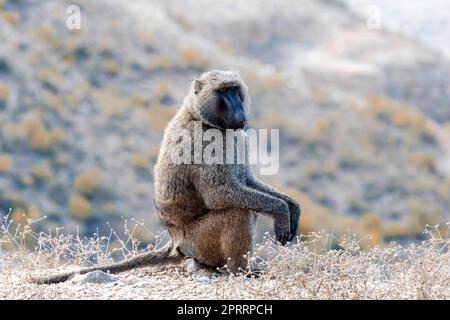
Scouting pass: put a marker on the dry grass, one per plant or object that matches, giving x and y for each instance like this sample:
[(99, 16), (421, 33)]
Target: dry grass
[(320, 266)]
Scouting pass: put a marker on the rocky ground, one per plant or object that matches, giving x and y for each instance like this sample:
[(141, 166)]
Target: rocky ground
[(363, 114), (169, 284), (319, 267)]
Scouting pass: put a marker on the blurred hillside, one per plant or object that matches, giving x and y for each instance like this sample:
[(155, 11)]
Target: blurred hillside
[(364, 114), (426, 20)]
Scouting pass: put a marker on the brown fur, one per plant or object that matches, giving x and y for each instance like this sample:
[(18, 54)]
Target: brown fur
[(209, 210)]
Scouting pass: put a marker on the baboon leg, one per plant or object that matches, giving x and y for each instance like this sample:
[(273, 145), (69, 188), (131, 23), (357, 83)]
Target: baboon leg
[(237, 238), (222, 237)]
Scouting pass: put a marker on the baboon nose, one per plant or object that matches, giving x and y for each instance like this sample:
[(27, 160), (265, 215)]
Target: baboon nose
[(241, 121)]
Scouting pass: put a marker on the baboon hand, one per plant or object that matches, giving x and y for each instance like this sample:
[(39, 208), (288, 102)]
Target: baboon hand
[(282, 226), (294, 210)]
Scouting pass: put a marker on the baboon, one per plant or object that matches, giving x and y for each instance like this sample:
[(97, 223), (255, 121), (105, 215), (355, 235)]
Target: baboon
[(208, 209)]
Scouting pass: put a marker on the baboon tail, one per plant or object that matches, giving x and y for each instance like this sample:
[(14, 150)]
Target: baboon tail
[(165, 255)]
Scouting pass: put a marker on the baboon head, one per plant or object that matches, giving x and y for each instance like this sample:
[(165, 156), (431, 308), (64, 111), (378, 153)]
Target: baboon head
[(221, 99)]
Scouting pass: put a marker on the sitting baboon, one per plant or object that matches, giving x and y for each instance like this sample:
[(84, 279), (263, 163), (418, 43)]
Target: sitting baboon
[(208, 209)]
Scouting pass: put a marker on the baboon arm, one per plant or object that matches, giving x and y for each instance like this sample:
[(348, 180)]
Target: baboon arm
[(221, 192), (220, 189), (294, 207), (243, 197), (256, 184)]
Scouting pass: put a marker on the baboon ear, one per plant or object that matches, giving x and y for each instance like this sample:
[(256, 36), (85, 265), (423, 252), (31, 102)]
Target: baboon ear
[(198, 86)]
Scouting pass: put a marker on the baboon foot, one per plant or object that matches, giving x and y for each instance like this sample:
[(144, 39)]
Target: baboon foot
[(190, 266)]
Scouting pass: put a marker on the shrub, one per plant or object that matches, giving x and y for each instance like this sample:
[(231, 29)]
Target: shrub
[(11, 17), (372, 228), (43, 33), (111, 67), (329, 168), (27, 180), (160, 62), (139, 101), (110, 101), (398, 114), (158, 116), (108, 208), (37, 135), (193, 58), (53, 101), (272, 80), (4, 91), (277, 120), (57, 135), (6, 163), (139, 161), (312, 170), (42, 172), (73, 100), (33, 213), (89, 182), (147, 38), (161, 90), (80, 207), (22, 216), (322, 128), (424, 161), (183, 21)]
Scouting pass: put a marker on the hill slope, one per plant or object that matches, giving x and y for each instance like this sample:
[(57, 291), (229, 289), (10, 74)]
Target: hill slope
[(362, 113)]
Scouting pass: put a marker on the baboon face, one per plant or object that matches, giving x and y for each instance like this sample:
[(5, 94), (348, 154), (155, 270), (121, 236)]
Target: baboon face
[(221, 99)]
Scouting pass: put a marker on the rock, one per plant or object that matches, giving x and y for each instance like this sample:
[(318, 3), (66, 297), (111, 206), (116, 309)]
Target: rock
[(204, 279), (132, 280), (98, 277), (138, 285)]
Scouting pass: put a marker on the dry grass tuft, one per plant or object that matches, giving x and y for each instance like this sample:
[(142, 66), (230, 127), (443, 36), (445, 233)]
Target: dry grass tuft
[(317, 266)]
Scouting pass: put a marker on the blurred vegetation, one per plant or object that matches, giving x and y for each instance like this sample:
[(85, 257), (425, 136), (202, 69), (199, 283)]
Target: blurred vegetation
[(82, 112)]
